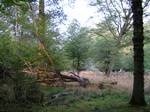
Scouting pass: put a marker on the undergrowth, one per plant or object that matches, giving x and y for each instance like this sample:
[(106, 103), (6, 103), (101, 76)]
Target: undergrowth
[(82, 101), (99, 101)]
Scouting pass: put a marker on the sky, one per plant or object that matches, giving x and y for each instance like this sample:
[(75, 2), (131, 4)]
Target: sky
[(81, 11), (85, 14)]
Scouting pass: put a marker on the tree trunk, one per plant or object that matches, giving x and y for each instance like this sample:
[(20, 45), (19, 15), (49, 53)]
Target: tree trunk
[(40, 33), (78, 65), (16, 25), (41, 24), (42, 20), (138, 85)]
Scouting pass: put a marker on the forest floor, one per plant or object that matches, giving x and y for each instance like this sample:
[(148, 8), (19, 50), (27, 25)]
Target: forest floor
[(93, 99), (74, 98)]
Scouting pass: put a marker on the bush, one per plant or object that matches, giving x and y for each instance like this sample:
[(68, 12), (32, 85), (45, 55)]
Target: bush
[(34, 94), (8, 56), (20, 89)]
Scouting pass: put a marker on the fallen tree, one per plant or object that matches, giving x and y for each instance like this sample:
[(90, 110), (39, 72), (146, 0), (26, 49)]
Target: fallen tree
[(74, 77), (51, 77)]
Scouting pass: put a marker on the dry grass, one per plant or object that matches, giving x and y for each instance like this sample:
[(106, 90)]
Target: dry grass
[(124, 80)]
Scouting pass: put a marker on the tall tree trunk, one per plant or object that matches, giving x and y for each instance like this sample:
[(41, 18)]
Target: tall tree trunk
[(78, 65), (42, 20), (41, 23), (16, 25), (40, 34), (138, 85), (39, 27), (73, 65)]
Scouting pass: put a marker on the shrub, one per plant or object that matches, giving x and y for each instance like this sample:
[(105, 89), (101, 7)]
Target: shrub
[(20, 89)]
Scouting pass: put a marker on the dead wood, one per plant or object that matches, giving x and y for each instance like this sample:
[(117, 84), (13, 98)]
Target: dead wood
[(103, 85), (51, 77), (74, 78), (56, 98)]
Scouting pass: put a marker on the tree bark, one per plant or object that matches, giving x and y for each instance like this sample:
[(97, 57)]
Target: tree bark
[(138, 84), (40, 33), (42, 20), (41, 23), (78, 65)]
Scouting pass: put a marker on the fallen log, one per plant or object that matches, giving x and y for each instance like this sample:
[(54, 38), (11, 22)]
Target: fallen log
[(83, 81), (103, 85), (56, 98), (55, 76)]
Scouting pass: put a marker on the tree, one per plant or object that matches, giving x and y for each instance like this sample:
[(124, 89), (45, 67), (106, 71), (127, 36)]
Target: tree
[(117, 20), (42, 19), (44, 31), (77, 46), (138, 85), (104, 53)]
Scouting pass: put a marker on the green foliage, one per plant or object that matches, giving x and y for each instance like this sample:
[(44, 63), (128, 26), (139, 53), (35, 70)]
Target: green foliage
[(27, 90), (105, 101), (105, 54), (50, 90), (108, 55), (60, 60), (8, 56), (126, 61), (15, 54), (18, 88), (4, 4), (77, 48), (147, 58)]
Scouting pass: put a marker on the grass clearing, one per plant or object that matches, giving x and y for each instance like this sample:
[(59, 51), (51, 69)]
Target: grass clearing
[(105, 101), (101, 101), (92, 99)]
